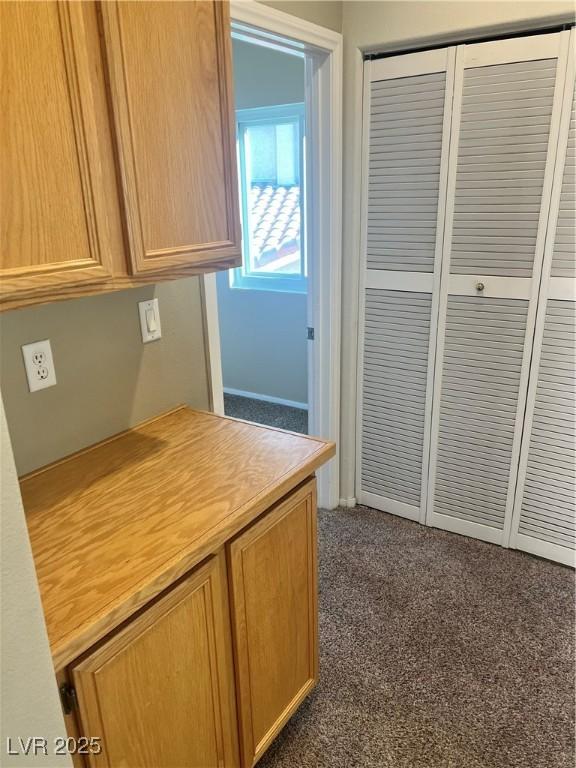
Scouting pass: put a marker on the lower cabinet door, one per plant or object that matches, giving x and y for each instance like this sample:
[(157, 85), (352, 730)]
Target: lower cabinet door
[(160, 692), (272, 573)]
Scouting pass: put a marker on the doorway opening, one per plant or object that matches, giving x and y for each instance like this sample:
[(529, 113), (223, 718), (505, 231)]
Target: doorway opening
[(262, 306), (273, 326)]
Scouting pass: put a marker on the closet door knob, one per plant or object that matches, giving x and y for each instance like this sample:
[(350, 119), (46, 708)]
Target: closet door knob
[(479, 287)]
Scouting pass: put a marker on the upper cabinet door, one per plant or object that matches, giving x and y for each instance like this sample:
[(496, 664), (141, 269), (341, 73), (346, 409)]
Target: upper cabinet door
[(52, 219), (170, 79)]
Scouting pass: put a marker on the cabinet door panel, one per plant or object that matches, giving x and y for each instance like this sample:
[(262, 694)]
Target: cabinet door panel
[(53, 217), (274, 595), (160, 692), (170, 79)]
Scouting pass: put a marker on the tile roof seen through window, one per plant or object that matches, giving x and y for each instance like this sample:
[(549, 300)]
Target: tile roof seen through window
[(275, 226)]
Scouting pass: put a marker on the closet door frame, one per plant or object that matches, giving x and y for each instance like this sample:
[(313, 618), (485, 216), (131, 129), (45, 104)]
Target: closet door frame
[(563, 288), (405, 65), (536, 47)]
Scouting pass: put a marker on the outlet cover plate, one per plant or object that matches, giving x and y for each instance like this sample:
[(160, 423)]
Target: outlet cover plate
[(39, 365)]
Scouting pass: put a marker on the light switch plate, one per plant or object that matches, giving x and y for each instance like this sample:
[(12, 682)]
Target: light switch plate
[(150, 320), (39, 365)]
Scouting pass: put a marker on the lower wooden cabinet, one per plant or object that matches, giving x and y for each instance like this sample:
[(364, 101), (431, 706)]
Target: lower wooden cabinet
[(160, 693), (208, 674), (272, 572)]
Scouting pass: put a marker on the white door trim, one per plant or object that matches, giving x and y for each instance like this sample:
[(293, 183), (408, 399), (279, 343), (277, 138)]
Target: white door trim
[(212, 342), (283, 26), (324, 47)]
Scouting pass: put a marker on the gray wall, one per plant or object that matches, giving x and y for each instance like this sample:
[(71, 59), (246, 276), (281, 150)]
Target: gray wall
[(370, 25), (263, 333), (326, 13), (29, 700), (263, 77), (263, 340), (108, 380)]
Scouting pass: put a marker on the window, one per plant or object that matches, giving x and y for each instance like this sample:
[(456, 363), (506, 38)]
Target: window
[(270, 157)]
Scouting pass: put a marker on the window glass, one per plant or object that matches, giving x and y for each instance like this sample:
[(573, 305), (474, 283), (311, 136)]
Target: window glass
[(270, 154)]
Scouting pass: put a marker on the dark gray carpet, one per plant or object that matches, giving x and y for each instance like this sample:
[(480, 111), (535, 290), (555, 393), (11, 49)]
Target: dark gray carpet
[(437, 651), (271, 414)]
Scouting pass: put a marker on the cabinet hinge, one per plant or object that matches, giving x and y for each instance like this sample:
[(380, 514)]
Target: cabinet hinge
[(310, 334), (68, 698)]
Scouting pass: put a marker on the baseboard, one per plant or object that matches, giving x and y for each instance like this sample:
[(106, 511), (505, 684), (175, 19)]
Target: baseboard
[(348, 502), (266, 398)]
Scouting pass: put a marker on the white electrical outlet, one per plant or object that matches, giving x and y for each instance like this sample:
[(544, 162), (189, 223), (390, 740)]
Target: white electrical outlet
[(150, 320), (39, 365)]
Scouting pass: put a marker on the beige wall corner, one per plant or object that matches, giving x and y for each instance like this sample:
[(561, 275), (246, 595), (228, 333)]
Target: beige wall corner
[(386, 23), (29, 703), (108, 380), (326, 13)]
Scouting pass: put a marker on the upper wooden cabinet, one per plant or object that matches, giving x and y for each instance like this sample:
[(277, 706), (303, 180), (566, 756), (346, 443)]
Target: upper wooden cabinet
[(115, 116), (170, 81), (52, 208)]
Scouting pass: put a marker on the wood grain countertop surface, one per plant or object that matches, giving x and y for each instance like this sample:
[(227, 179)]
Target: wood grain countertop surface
[(115, 524)]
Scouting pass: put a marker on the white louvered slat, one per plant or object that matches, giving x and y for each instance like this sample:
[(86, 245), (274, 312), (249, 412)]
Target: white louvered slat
[(486, 211), (544, 520), (502, 152), (406, 124), (395, 366), (548, 509), (481, 376), (405, 149), (508, 98), (563, 256)]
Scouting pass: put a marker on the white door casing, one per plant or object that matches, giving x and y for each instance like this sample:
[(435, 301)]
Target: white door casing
[(323, 50)]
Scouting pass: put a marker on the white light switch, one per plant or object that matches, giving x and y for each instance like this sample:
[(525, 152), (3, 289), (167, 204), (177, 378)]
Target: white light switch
[(39, 365), (150, 320)]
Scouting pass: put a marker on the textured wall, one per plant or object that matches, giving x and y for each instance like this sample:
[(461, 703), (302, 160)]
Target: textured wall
[(29, 704), (263, 339), (326, 13), (107, 379), (264, 77)]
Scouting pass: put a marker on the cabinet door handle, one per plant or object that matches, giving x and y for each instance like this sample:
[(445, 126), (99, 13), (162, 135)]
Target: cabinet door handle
[(479, 287)]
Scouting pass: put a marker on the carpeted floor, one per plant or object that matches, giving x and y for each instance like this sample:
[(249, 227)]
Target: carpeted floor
[(272, 414), (437, 651)]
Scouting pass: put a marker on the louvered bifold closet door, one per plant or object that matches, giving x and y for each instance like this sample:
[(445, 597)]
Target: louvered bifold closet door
[(407, 122), (506, 117), (544, 511)]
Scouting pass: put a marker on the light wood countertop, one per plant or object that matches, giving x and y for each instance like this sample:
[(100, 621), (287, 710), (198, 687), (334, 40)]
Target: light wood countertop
[(114, 525)]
